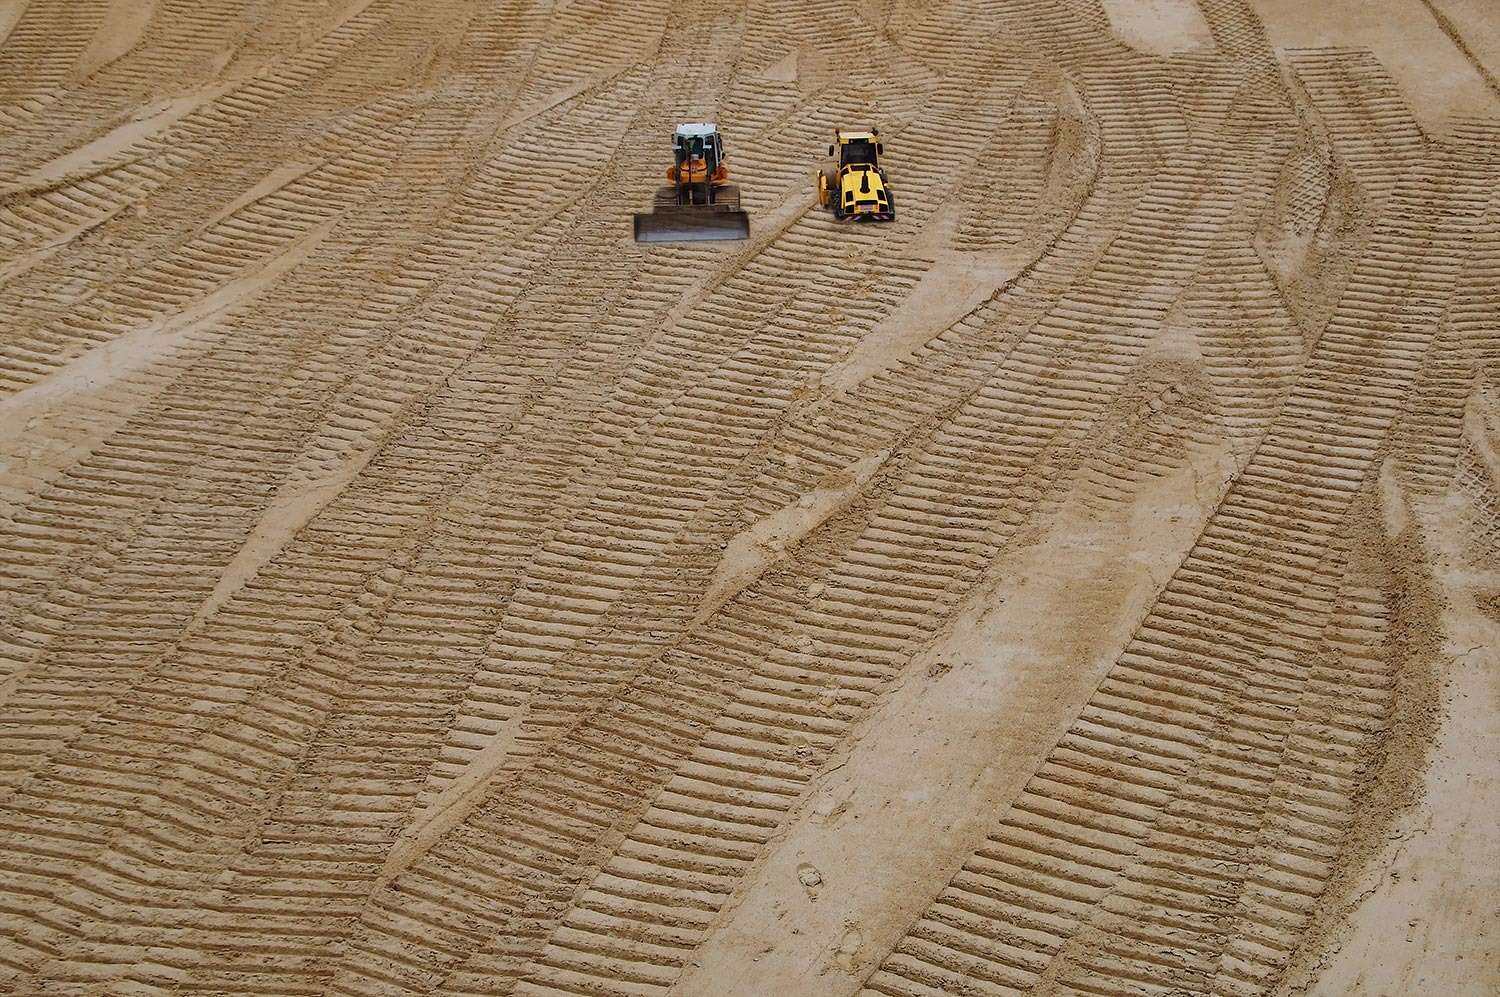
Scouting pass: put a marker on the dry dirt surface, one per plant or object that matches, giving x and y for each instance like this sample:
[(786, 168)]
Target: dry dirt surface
[(1088, 584)]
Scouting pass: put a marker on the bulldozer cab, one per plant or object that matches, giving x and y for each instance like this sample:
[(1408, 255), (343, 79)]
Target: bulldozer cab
[(698, 141)]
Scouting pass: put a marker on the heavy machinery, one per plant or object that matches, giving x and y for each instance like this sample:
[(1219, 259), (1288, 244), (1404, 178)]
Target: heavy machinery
[(698, 205), (856, 187)]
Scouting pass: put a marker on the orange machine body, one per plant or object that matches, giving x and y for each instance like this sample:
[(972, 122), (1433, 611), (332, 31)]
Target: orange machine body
[(692, 170)]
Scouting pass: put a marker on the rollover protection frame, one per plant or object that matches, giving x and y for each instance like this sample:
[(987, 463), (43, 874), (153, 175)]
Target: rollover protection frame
[(694, 210)]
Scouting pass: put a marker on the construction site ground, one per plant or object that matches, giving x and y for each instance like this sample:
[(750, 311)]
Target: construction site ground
[(1087, 584)]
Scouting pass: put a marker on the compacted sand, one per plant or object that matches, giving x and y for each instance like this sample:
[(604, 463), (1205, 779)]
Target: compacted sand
[(1088, 584)]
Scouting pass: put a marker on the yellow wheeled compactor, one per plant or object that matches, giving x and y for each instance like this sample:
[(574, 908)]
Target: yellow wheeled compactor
[(855, 188), (698, 205)]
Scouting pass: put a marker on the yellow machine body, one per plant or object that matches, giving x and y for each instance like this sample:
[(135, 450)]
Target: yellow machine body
[(856, 187)]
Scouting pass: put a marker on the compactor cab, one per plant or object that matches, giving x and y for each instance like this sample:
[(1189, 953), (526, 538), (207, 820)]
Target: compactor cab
[(856, 187), (699, 205), (857, 150)]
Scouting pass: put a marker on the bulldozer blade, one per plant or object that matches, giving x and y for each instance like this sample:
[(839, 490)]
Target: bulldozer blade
[(691, 224)]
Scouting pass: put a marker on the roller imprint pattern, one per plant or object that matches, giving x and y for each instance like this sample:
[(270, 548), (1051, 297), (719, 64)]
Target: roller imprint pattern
[(410, 585)]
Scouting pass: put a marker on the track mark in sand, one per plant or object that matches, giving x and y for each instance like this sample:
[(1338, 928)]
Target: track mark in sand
[(1477, 472), (114, 147), (139, 348), (602, 75), (951, 289), (1481, 427), (756, 548), (282, 176), (300, 500), (41, 46), (1161, 27), (294, 506), (124, 24), (452, 805), (10, 16), (1214, 725), (274, 181), (979, 706), (23, 262), (489, 605), (201, 260), (1451, 30)]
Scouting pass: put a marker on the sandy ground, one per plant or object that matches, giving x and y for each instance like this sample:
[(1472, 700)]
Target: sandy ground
[(1088, 584)]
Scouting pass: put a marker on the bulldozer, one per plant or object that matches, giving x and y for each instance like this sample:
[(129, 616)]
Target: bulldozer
[(698, 205), (856, 187)]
